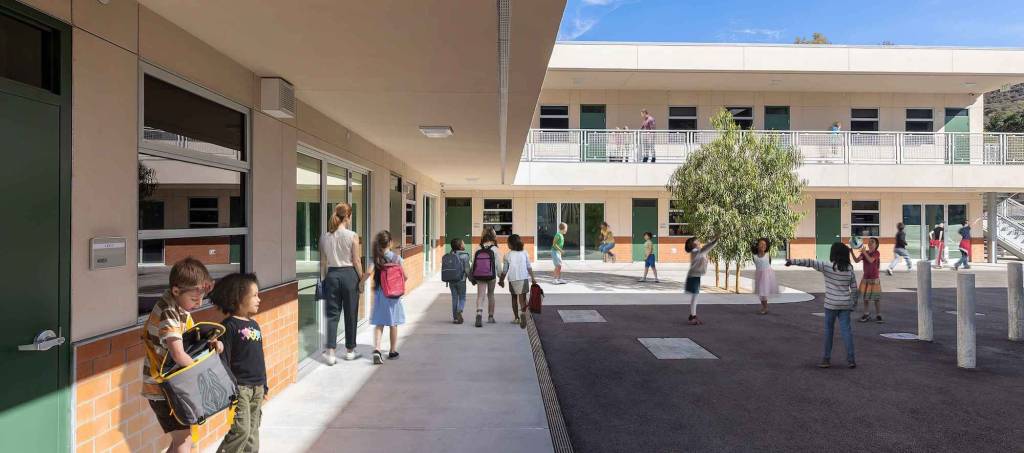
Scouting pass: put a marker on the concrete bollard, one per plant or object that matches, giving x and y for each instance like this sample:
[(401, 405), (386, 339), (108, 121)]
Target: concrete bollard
[(966, 339), (1015, 300), (925, 311)]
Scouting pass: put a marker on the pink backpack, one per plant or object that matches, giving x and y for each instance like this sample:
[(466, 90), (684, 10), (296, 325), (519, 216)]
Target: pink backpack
[(392, 280)]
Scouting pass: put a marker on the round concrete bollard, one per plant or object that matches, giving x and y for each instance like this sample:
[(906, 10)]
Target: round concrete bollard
[(1015, 300), (966, 336), (925, 311)]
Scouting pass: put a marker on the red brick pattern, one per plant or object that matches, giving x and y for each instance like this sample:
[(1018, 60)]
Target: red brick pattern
[(111, 415), (214, 250)]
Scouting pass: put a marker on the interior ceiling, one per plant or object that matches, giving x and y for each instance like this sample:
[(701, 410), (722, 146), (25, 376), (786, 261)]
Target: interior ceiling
[(773, 81), (383, 68)]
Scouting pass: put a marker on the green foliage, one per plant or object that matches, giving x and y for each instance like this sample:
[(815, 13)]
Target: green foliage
[(816, 38), (1008, 121), (738, 188)]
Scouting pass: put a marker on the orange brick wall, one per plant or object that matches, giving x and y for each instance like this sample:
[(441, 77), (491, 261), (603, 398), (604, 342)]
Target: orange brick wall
[(199, 248), (528, 245), (805, 248), (111, 415), (413, 266), (666, 254)]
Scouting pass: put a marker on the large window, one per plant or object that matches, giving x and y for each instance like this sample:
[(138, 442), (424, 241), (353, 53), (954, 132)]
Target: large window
[(919, 120), (682, 118), (498, 215), (743, 116), (677, 225), (192, 182), (409, 193), (864, 120), (864, 218), (554, 117)]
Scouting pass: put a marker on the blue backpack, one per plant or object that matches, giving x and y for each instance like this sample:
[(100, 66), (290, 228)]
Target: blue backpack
[(452, 268)]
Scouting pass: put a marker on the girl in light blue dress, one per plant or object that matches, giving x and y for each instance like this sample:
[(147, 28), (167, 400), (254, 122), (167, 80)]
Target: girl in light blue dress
[(387, 311)]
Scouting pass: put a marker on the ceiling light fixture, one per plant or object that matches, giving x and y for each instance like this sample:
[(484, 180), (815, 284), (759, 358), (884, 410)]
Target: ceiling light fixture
[(437, 131)]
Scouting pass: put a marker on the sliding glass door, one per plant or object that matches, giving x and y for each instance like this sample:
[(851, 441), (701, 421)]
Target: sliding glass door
[(918, 227), (581, 238)]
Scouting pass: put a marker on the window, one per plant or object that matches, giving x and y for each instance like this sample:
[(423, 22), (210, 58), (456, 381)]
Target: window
[(682, 118), (743, 116), (191, 168), (498, 215), (554, 117), (919, 120), (202, 212), (409, 190), (677, 225), (864, 218), (28, 53), (864, 120)]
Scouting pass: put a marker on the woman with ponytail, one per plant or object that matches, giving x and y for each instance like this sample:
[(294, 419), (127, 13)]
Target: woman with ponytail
[(342, 272)]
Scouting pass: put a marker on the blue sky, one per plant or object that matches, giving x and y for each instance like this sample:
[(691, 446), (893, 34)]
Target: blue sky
[(990, 23)]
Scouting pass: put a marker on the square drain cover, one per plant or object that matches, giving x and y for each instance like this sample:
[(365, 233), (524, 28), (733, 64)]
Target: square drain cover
[(675, 348), (581, 316)]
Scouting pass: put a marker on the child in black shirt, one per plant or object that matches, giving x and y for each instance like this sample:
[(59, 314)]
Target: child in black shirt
[(237, 295)]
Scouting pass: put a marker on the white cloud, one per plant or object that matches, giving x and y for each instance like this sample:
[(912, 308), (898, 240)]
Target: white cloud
[(586, 15), (759, 32)]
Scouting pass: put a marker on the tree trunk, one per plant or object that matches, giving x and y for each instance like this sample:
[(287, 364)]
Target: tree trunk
[(737, 277), (716, 273), (726, 287)]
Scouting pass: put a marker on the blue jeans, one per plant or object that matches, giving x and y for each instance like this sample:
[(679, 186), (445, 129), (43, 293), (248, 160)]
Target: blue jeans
[(898, 253), (844, 330), (458, 290), (963, 262), (606, 247)]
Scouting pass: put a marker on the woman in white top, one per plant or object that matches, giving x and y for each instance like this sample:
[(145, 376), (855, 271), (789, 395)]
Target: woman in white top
[(342, 272), (517, 269)]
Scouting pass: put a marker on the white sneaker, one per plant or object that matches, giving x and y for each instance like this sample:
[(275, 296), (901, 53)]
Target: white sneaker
[(352, 355), (329, 357), (889, 271)]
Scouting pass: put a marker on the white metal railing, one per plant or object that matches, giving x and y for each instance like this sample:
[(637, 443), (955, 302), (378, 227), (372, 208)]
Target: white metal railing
[(1012, 209), (816, 147)]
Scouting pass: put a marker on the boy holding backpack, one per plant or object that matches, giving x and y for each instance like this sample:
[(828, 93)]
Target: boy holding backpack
[(483, 272), (454, 269)]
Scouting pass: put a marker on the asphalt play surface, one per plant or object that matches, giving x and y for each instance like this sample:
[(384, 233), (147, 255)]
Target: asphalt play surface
[(765, 393)]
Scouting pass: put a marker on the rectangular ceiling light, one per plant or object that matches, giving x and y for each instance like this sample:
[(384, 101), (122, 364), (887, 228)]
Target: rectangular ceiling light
[(437, 131)]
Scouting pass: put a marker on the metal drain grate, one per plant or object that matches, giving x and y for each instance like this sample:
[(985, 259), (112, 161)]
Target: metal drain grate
[(556, 424)]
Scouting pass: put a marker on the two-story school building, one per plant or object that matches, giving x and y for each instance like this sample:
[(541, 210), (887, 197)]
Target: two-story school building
[(909, 146)]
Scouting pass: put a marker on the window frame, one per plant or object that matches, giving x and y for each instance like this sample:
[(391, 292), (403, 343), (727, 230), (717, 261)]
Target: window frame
[(541, 116), (215, 208), (163, 150), (670, 223), (907, 120), (694, 117), (737, 119), (857, 227), (876, 119), (410, 203), (510, 223)]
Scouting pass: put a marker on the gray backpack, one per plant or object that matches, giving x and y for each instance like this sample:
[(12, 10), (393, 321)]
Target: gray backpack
[(203, 389), (452, 268)]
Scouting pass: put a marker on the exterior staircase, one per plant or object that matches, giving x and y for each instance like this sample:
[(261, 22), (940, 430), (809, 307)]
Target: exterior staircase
[(1010, 232)]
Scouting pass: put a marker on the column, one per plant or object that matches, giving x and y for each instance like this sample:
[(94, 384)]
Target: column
[(966, 339), (1015, 300), (993, 225), (925, 311)]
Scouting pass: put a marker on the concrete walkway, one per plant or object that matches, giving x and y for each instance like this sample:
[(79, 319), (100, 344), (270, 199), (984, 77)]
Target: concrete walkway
[(455, 388)]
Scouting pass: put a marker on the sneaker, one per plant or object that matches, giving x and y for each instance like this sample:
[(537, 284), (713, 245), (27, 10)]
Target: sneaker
[(864, 318), (824, 364), (490, 319), (479, 318), (329, 357), (393, 355), (889, 271), (851, 365), (693, 320), (878, 319), (515, 321), (352, 355), (657, 281), (378, 359), (458, 318), (522, 322)]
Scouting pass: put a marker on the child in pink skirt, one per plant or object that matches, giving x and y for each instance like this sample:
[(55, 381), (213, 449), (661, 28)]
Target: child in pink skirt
[(764, 278)]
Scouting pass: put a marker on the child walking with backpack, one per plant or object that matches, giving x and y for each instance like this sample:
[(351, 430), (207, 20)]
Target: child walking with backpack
[(517, 268), (870, 282), (765, 284), (698, 267), (483, 273), (238, 296), (840, 298), (649, 258), (454, 269), (387, 311)]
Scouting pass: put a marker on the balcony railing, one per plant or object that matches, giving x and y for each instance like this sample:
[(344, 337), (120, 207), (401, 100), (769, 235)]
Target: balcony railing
[(816, 147)]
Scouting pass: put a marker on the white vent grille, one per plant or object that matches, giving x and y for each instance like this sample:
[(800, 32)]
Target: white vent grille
[(277, 97), (504, 31)]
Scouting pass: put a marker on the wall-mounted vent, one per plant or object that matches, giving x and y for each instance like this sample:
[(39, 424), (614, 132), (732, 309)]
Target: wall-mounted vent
[(277, 97)]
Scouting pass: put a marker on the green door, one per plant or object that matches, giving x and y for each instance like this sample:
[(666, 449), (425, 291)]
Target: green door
[(595, 143), (827, 227), (776, 118), (958, 122), (645, 218), (458, 222), (34, 189), (934, 214)]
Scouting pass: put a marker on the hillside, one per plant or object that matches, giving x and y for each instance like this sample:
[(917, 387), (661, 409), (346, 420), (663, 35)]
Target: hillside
[(1001, 101)]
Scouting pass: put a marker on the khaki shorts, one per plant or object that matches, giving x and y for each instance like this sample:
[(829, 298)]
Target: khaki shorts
[(519, 286)]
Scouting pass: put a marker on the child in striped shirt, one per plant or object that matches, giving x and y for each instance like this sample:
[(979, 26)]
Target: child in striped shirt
[(840, 298)]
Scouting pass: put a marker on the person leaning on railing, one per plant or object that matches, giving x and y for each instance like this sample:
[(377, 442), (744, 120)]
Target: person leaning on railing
[(647, 125)]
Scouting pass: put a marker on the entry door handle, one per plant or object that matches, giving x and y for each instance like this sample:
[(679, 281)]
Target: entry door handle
[(43, 342)]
